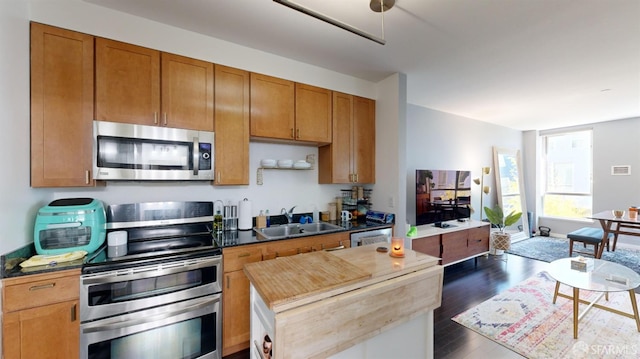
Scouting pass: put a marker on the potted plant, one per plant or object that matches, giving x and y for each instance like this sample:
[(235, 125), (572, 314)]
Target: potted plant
[(501, 240)]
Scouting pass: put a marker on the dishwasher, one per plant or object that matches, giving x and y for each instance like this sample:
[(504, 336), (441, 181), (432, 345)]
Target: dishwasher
[(371, 236)]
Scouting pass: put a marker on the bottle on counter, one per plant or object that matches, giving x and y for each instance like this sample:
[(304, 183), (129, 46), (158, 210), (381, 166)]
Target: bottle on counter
[(268, 219), (217, 222), (316, 214)]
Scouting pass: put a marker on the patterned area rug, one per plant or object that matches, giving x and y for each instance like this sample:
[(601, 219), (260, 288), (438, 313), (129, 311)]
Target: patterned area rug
[(548, 249), (524, 320)]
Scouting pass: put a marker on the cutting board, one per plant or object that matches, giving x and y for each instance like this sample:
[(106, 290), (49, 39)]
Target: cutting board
[(291, 278)]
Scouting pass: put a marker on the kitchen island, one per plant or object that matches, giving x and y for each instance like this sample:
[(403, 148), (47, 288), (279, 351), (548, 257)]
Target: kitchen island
[(355, 303)]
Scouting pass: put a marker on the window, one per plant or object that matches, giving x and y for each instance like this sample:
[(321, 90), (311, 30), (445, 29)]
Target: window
[(567, 181)]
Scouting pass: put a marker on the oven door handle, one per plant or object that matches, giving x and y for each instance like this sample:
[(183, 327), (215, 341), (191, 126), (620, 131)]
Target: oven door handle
[(200, 305), (148, 272)]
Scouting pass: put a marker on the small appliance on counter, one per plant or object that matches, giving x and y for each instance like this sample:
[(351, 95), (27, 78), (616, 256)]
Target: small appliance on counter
[(68, 225)]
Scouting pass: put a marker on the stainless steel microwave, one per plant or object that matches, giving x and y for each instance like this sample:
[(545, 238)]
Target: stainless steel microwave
[(123, 151)]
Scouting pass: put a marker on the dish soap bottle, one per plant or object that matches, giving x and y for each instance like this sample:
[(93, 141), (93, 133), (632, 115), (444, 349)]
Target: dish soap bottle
[(268, 218)]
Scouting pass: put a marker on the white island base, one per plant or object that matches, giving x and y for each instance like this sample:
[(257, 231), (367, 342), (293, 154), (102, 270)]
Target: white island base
[(352, 303)]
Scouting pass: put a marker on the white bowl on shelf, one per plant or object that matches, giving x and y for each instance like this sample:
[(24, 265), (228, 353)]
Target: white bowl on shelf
[(302, 165), (285, 163), (268, 163)]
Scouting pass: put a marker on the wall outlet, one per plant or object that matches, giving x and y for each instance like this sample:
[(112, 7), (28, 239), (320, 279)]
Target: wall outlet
[(392, 202)]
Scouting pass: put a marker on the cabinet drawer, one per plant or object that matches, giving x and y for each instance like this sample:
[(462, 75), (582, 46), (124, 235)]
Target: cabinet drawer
[(39, 291), (235, 258)]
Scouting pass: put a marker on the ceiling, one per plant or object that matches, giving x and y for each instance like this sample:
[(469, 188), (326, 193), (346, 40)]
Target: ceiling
[(523, 64)]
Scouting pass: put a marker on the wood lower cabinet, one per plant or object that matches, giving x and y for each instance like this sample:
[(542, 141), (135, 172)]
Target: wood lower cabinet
[(455, 245), (138, 85), (236, 326), (231, 126), (41, 316), (350, 158), (61, 107)]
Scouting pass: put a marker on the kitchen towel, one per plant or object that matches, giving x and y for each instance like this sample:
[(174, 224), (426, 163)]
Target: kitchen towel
[(245, 221)]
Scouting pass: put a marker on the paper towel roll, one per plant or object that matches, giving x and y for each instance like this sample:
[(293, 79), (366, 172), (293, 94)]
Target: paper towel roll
[(245, 220)]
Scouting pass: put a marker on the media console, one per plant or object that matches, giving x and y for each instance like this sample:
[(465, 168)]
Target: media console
[(454, 243)]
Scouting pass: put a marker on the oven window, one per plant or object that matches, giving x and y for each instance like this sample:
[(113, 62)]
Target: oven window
[(188, 339), (101, 294)]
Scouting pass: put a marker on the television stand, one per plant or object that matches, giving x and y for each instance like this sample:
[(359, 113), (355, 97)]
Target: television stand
[(453, 243)]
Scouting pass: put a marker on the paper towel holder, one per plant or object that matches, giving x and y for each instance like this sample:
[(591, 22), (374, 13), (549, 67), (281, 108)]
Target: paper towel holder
[(245, 219)]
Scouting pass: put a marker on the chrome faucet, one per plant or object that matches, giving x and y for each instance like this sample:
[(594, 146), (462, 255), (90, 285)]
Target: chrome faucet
[(289, 213)]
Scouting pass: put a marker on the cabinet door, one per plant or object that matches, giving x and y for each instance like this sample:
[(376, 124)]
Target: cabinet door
[(427, 245), (334, 160), (454, 246), (313, 114), (231, 126), (478, 240), (364, 140), (127, 83), (235, 312), (272, 107), (187, 93), (51, 331), (61, 107)]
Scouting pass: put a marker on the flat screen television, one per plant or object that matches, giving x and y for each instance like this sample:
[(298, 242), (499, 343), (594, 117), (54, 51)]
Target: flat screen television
[(442, 195)]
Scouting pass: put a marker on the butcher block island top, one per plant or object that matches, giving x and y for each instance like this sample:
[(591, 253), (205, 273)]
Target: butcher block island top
[(346, 303), (287, 282)]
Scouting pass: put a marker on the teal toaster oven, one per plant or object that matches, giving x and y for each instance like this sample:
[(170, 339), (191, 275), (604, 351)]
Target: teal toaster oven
[(70, 224)]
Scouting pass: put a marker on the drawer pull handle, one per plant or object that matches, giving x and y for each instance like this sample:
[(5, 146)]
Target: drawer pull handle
[(73, 313), (243, 255), (42, 286)]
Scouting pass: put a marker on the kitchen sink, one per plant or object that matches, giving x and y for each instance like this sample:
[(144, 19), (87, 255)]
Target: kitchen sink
[(296, 230)]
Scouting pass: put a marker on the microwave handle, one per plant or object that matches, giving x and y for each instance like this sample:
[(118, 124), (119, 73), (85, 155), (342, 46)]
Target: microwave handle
[(196, 155)]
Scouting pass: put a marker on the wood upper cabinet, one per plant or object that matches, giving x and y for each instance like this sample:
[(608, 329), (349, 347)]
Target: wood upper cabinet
[(187, 93), (272, 107), (128, 87), (289, 111), (231, 126), (41, 316), (127, 83), (61, 107), (350, 158), (313, 114), (364, 140)]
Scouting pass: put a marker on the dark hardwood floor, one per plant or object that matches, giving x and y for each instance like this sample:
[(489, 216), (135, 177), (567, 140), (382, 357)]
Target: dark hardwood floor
[(467, 284)]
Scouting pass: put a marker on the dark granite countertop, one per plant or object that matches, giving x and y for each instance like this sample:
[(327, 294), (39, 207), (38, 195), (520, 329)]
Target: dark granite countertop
[(238, 238), (11, 261)]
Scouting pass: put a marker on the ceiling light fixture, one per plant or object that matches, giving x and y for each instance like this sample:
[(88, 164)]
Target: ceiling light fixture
[(376, 5)]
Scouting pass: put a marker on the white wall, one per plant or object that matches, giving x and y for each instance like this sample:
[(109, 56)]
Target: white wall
[(443, 141), (19, 203), (614, 143)]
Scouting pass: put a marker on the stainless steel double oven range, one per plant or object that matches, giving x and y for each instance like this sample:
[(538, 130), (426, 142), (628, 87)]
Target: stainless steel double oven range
[(162, 299)]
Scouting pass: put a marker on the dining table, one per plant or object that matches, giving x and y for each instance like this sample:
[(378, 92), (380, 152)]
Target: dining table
[(616, 225)]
